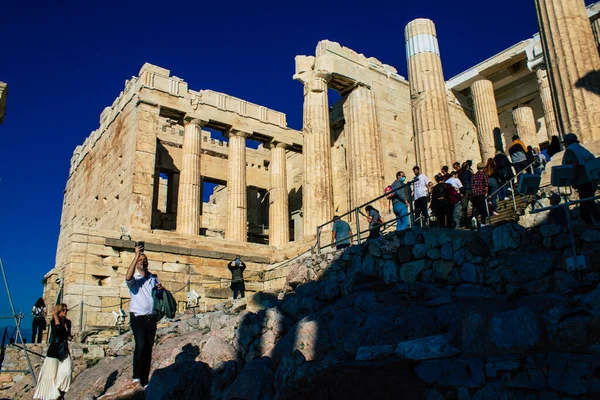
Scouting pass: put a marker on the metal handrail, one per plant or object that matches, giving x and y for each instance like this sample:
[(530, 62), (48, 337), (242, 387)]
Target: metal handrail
[(567, 204), (510, 180), (356, 212)]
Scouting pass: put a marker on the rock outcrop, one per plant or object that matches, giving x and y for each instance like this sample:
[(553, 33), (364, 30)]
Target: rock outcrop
[(421, 314)]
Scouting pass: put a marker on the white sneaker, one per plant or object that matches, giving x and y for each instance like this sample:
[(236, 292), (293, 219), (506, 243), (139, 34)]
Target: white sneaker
[(474, 223), (481, 225)]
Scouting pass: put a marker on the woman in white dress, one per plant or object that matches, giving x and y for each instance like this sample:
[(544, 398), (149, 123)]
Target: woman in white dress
[(55, 375)]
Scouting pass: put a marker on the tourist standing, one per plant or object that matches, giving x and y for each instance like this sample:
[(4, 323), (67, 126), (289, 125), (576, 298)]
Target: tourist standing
[(479, 193), (38, 325), (55, 376), (440, 203), (341, 234), (237, 267), (453, 187), (577, 155), (142, 315), (375, 222), (554, 146), (445, 173), (465, 176), (493, 184), (420, 193), (518, 154), (504, 172), (400, 202)]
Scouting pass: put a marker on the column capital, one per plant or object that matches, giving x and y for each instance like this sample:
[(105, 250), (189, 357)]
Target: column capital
[(275, 144), (194, 121), (237, 133), (314, 78)]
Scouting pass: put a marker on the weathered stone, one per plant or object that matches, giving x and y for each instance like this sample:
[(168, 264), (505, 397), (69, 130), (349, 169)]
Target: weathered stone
[(468, 273), (565, 282), (369, 353), (452, 372), (516, 329), (506, 237), (390, 271), (591, 236), (409, 272), (438, 346), (434, 254), (550, 230), (420, 250), (403, 255), (441, 269), (254, 382), (501, 363), (446, 252)]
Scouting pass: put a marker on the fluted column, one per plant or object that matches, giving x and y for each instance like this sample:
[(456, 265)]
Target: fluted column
[(364, 146), (596, 31), (317, 188), (486, 117), (279, 219), (190, 181), (526, 126), (547, 105), (237, 212), (571, 54), (434, 144)]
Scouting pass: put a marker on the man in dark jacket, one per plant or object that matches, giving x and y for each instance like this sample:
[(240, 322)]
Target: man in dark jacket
[(237, 268)]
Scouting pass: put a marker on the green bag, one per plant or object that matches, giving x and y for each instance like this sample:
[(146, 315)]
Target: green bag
[(164, 303)]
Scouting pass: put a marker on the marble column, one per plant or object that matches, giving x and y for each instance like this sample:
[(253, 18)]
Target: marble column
[(237, 212), (434, 144), (279, 219), (317, 187), (526, 126), (571, 54), (486, 117), (547, 105), (365, 166), (190, 181), (596, 31)]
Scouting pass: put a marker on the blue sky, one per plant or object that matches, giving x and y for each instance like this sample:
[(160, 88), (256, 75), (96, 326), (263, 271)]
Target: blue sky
[(65, 61)]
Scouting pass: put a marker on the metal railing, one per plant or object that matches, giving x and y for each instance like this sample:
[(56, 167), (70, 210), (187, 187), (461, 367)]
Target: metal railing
[(356, 213), (510, 182)]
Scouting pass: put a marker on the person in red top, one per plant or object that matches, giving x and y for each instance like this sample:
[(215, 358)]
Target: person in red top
[(479, 191)]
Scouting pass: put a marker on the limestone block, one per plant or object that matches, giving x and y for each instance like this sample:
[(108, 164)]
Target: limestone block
[(175, 267)]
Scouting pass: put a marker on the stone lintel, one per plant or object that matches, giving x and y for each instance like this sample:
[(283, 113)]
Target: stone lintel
[(184, 251)]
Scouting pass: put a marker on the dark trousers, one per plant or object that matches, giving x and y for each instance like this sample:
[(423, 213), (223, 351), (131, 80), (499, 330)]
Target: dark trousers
[(443, 213), (421, 209), (38, 327), (520, 166), (479, 207), (588, 209), (342, 246), (238, 288), (144, 331)]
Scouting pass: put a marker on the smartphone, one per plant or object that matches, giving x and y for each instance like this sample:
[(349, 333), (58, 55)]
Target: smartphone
[(141, 244)]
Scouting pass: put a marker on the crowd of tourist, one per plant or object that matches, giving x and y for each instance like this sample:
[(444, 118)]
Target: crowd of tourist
[(449, 196)]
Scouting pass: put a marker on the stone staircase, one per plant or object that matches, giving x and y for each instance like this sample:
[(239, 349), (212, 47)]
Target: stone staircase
[(506, 211)]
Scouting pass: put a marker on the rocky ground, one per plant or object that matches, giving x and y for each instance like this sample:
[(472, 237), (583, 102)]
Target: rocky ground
[(420, 315)]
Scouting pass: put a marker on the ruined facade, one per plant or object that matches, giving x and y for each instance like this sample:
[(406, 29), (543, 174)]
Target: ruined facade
[(142, 173)]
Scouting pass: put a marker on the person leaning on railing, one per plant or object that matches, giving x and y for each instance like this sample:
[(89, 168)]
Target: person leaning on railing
[(577, 155)]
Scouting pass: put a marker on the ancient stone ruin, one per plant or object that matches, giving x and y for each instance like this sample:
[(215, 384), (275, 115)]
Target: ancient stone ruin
[(141, 175)]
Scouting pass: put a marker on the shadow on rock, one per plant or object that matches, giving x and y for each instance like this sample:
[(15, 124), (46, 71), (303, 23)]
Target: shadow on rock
[(185, 379)]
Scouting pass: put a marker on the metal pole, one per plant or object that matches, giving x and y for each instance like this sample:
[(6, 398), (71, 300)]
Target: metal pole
[(513, 194), (81, 316), (17, 322), (356, 217), (319, 240)]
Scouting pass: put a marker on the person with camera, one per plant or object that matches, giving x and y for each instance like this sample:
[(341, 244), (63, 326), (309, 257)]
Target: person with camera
[(55, 376), (142, 315), (237, 268)]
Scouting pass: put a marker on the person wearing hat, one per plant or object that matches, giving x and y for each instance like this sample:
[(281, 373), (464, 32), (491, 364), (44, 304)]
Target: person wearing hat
[(577, 155), (479, 191)]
